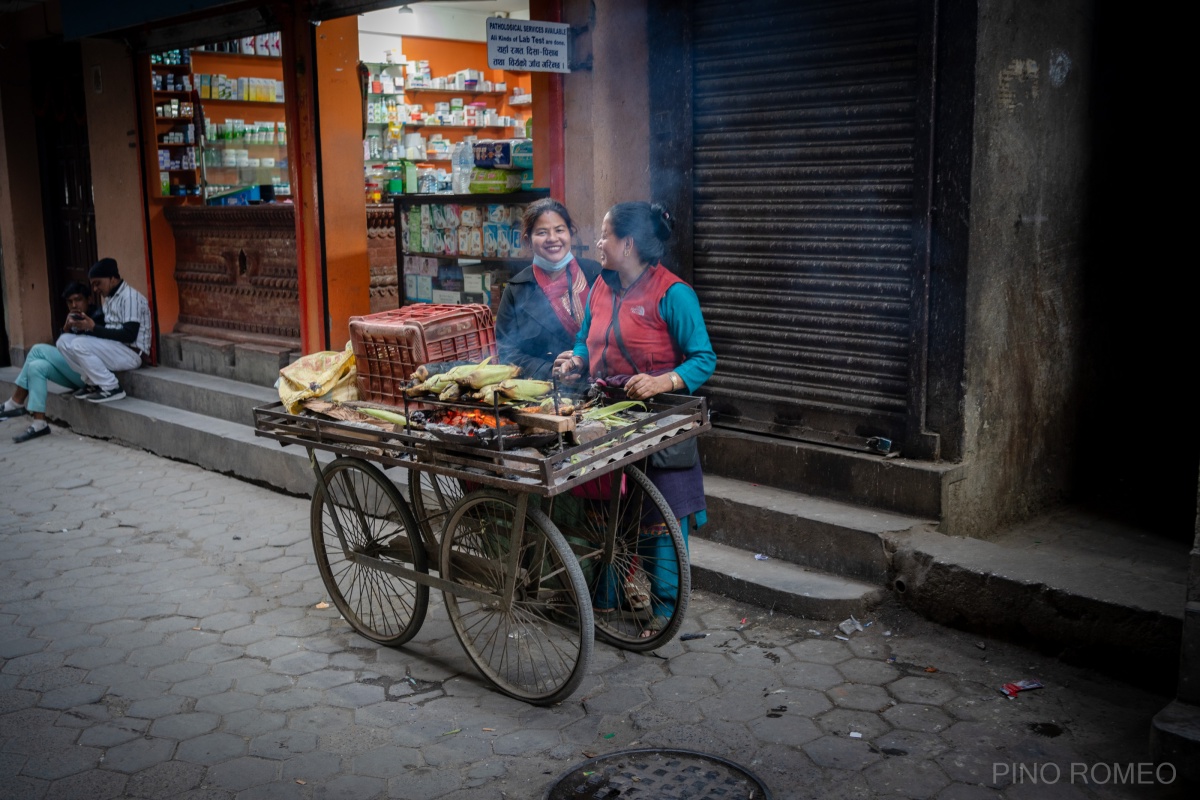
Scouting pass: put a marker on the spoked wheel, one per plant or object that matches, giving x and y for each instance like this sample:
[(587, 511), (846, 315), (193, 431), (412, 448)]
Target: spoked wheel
[(536, 644), (638, 574), (431, 497), (357, 515)]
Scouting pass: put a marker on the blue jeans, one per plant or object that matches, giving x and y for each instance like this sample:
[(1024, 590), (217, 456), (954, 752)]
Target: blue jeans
[(44, 363)]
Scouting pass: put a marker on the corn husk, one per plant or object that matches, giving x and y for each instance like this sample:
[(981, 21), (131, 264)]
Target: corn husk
[(386, 416), (488, 395), (608, 414), (486, 375), (525, 390)]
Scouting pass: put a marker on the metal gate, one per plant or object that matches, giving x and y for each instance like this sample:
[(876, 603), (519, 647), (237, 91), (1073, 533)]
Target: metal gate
[(804, 122)]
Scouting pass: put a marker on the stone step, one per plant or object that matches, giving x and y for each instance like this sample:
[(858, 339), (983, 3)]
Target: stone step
[(230, 448), (212, 396), (250, 359), (779, 585), (820, 534), (896, 485)]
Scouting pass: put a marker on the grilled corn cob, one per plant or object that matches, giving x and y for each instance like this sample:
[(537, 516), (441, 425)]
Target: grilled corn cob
[(485, 375), (525, 390)]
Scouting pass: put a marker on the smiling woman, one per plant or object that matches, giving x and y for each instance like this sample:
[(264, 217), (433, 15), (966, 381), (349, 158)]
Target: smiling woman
[(542, 307)]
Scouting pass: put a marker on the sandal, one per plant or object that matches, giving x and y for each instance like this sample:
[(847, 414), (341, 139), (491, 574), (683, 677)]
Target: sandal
[(654, 627), (637, 593)]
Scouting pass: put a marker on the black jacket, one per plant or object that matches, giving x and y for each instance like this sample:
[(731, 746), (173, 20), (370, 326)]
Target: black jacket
[(528, 332)]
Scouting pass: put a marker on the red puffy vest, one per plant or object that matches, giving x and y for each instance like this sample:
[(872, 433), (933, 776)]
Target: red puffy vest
[(643, 330)]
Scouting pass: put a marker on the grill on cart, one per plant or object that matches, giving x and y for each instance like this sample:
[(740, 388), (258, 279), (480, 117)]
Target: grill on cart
[(669, 420)]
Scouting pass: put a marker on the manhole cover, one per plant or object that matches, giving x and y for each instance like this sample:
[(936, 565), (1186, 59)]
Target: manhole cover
[(655, 774)]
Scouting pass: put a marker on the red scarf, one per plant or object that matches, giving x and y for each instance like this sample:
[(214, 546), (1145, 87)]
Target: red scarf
[(566, 290)]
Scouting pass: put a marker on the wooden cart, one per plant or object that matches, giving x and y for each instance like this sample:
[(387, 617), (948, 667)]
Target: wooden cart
[(534, 553)]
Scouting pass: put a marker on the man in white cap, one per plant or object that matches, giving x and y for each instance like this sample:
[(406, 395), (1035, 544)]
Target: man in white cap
[(118, 340)]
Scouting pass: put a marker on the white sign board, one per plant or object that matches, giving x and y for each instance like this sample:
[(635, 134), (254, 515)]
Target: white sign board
[(528, 45)]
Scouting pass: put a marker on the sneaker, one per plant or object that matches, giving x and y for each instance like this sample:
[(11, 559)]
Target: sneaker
[(105, 395), (31, 433), (80, 394), (13, 412)]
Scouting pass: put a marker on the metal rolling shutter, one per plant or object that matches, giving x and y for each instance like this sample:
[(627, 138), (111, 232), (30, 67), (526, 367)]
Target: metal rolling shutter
[(803, 131)]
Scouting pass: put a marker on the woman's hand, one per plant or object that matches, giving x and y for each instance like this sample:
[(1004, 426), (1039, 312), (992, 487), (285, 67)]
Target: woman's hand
[(643, 386), (568, 366)]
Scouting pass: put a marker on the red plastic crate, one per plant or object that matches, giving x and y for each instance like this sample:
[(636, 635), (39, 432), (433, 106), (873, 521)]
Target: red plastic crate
[(389, 345)]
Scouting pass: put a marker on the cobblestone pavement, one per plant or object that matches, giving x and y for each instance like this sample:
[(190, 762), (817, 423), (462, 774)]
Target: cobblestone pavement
[(161, 637)]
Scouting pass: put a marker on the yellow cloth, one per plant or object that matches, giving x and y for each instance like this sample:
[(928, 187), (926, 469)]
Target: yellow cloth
[(328, 375)]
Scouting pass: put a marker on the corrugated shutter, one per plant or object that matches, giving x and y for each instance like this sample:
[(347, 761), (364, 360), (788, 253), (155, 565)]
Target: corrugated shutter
[(803, 131)]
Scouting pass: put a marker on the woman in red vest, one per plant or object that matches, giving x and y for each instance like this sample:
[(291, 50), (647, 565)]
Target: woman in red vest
[(643, 327)]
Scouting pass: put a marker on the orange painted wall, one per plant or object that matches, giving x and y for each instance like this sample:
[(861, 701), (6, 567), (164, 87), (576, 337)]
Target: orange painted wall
[(347, 267), (160, 239)]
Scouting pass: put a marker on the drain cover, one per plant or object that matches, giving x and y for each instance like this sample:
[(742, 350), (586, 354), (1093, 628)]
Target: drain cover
[(656, 774)]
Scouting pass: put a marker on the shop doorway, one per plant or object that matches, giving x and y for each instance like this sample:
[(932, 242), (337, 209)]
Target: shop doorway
[(66, 170)]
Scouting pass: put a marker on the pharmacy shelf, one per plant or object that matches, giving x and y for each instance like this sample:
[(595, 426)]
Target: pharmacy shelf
[(463, 92), (203, 54), (274, 103), (459, 127)]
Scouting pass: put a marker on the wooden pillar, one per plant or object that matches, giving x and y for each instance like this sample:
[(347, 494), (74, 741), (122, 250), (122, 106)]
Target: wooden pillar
[(299, 60)]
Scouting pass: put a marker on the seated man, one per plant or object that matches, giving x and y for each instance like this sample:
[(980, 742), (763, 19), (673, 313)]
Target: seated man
[(44, 363), (117, 340)]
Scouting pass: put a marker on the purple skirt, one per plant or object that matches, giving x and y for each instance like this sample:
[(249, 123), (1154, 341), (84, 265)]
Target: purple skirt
[(683, 490)]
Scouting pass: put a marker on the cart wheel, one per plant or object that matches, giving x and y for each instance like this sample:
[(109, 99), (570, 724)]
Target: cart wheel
[(364, 507), (538, 646), (431, 497), (640, 591)]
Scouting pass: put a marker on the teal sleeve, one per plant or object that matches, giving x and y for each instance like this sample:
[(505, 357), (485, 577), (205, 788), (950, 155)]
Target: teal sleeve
[(581, 348), (680, 309)]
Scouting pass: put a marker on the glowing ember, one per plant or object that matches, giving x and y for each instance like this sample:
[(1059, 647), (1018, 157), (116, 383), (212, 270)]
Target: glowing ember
[(468, 419)]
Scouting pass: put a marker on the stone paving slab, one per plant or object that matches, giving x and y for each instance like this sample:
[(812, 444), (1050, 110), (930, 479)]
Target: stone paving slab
[(164, 634)]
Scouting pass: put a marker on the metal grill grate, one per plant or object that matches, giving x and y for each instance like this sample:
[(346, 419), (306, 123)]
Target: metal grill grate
[(654, 774)]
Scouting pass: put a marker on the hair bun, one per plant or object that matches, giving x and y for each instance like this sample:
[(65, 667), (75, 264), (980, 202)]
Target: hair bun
[(663, 223)]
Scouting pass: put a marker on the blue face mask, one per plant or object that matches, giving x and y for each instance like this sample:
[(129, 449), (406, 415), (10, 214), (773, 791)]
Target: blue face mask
[(552, 266)]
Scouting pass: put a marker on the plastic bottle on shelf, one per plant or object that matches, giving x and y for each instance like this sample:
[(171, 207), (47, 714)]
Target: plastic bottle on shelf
[(462, 160)]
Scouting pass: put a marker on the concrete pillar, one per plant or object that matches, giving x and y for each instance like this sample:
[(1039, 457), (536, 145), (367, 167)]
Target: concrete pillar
[(606, 111)]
